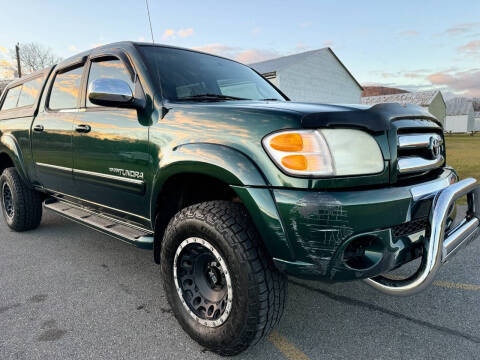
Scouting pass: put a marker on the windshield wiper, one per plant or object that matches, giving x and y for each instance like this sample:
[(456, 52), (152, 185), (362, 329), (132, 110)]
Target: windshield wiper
[(201, 97), (270, 99)]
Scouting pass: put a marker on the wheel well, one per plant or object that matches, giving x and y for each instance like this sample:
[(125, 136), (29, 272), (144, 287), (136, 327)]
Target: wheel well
[(184, 190), (5, 162)]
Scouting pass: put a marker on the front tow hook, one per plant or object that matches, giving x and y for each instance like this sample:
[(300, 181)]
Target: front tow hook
[(441, 244)]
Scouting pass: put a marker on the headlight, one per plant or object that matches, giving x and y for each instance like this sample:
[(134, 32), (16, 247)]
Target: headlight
[(325, 152)]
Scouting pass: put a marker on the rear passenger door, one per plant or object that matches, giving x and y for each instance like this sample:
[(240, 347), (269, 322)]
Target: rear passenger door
[(110, 148), (52, 130)]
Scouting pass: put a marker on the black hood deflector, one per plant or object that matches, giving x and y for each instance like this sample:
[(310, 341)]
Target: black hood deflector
[(374, 119)]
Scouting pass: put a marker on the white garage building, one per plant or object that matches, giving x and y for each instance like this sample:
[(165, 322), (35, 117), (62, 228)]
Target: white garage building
[(431, 100), (460, 116), (314, 76)]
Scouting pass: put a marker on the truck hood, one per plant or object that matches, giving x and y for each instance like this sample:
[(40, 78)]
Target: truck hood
[(374, 118)]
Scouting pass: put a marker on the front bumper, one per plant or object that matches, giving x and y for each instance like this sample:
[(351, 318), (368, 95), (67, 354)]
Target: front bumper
[(395, 224), (442, 243)]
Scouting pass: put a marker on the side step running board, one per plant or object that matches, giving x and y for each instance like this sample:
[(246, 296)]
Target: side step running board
[(122, 231)]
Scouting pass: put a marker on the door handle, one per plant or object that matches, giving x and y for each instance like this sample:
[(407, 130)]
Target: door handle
[(83, 129), (38, 128)]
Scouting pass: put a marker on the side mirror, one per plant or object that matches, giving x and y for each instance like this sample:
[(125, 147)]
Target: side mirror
[(112, 92)]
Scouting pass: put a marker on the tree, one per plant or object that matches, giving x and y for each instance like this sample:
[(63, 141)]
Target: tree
[(34, 56)]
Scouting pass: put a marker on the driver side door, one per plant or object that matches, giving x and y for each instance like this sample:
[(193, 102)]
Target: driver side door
[(110, 150)]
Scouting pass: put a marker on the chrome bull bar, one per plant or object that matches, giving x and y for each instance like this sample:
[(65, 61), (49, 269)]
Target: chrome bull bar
[(442, 244)]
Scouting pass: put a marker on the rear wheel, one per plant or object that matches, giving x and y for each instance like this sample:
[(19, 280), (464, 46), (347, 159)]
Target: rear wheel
[(21, 206), (220, 283)]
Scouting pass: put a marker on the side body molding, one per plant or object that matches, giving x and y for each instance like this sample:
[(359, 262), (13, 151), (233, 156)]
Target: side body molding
[(9, 146), (245, 178)]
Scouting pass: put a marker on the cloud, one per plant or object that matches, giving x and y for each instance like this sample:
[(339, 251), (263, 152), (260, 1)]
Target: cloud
[(5, 63), (387, 75), (183, 33), (305, 24), (301, 47), (256, 31), (7, 74), (465, 82), (168, 33), (72, 48), (409, 74), (217, 49), (7, 69), (413, 75), (450, 80), (246, 56), (328, 43), (255, 55), (172, 34), (3, 49), (409, 33), (471, 48), (462, 28)]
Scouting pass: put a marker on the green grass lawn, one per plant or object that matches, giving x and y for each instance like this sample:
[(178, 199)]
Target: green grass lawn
[(463, 154)]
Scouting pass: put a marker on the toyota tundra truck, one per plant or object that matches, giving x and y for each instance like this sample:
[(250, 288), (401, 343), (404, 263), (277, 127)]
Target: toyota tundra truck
[(233, 186)]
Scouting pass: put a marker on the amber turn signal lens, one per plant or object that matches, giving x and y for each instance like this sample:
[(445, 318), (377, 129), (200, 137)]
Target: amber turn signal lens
[(295, 162), (290, 142)]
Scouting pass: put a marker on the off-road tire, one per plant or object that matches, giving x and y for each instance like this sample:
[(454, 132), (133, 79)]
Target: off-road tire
[(27, 203), (259, 289)]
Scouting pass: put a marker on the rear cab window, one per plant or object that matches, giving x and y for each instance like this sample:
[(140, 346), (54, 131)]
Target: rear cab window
[(11, 98), (23, 95), (30, 92)]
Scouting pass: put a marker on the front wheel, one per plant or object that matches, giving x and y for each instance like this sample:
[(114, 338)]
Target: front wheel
[(222, 287)]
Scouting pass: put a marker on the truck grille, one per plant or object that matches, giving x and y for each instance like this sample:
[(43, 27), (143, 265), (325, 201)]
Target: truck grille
[(419, 152)]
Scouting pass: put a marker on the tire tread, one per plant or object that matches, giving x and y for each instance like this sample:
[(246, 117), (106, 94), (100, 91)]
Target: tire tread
[(268, 284), (28, 203)]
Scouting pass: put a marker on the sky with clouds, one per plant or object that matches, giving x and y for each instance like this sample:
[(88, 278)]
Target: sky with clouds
[(408, 44)]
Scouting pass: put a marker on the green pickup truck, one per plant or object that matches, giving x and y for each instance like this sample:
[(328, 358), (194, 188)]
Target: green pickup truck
[(230, 184)]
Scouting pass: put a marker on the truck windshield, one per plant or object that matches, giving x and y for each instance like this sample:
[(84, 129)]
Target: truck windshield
[(190, 76)]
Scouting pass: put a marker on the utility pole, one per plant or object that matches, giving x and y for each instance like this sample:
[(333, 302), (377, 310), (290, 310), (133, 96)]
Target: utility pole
[(19, 67)]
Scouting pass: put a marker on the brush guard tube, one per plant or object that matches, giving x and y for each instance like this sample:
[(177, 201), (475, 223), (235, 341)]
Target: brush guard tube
[(441, 245)]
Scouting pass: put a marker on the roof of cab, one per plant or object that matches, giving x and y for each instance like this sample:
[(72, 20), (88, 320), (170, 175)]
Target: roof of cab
[(27, 77), (117, 45), (126, 45)]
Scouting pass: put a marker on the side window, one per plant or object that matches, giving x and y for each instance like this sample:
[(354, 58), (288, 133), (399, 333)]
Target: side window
[(30, 91), (65, 89), (11, 98), (108, 69)]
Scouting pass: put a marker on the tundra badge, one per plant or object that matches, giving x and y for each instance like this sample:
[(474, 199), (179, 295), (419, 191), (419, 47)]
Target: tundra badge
[(127, 173)]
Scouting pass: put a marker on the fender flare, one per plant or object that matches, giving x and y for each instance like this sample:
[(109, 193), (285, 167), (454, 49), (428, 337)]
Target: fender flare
[(244, 177), (10, 147), (219, 161)]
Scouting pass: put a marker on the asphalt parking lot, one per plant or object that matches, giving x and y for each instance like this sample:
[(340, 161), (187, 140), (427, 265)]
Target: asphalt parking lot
[(67, 292)]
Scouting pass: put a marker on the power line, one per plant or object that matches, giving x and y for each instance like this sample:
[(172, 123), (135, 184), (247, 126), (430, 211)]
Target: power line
[(149, 21)]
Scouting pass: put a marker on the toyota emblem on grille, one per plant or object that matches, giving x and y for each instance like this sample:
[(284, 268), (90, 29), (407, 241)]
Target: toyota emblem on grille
[(434, 147)]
